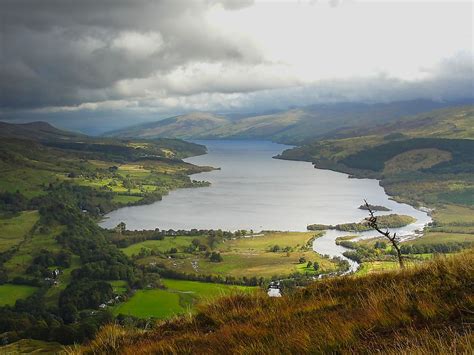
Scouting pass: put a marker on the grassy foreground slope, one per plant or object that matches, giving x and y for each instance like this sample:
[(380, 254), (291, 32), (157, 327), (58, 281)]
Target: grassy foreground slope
[(425, 309)]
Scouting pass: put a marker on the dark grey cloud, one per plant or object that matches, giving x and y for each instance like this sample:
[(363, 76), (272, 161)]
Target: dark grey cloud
[(114, 59), (62, 52)]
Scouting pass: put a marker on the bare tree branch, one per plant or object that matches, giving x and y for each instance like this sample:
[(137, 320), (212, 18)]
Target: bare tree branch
[(372, 221)]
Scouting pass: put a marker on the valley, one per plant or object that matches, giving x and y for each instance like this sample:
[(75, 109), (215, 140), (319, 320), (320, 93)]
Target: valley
[(236, 177), (180, 233)]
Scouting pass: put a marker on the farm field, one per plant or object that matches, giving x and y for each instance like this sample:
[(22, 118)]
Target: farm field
[(376, 266), (440, 237), (179, 297), (260, 264), (151, 303), (14, 229), (9, 293), (22, 258), (27, 180), (447, 214), (119, 286), (178, 242), (263, 255)]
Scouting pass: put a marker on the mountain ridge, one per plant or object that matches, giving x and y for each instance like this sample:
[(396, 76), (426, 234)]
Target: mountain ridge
[(294, 126), (37, 130)]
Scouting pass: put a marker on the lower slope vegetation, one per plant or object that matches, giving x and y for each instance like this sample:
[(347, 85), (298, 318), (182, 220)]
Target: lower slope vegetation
[(425, 309), (57, 267)]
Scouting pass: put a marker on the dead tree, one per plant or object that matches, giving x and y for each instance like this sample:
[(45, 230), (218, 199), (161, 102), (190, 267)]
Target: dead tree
[(372, 222)]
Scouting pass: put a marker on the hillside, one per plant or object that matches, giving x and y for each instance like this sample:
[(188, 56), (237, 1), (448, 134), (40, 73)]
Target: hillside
[(422, 310), (192, 125), (41, 131), (424, 160), (293, 126), (453, 122), (55, 261), (422, 150)]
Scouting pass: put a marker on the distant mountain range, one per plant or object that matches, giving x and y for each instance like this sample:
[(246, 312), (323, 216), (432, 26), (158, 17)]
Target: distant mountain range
[(295, 126)]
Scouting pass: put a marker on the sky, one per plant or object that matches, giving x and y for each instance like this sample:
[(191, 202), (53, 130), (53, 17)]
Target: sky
[(95, 65)]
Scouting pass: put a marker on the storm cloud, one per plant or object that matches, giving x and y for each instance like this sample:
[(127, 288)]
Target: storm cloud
[(156, 58), (70, 52)]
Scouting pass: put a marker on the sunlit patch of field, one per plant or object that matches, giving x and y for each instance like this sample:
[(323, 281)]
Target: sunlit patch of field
[(22, 258), (126, 199), (440, 237), (164, 245), (454, 214), (151, 303), (9, 293), (30, 182), (119, 286), (268, 240), (377, 266), (264, 264), (242, 257), (136, 145), (179, 297), (131, 182), (416, 159), (14, 229)]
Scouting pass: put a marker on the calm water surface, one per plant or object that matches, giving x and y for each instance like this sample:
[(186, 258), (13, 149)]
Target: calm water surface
[(254, 191)]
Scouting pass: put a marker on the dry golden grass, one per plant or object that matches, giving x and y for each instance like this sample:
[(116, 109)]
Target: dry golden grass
[(427, 309)]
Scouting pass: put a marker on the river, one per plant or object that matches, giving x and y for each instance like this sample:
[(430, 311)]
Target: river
[(253, 191)]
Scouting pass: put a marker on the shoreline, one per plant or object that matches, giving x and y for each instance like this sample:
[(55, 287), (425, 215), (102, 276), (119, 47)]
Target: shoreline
[(348, 172)]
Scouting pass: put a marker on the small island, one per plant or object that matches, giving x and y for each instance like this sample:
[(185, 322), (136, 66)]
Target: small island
[(374, 208), (388, 221)]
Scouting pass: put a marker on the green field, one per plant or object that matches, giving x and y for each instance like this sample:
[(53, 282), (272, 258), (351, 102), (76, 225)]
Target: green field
[(178, 242), (9, 294), (14, 229), (449, 214), (119, 286), (19, 262), (179, 297), (439, 237), (29, 181), (125, 199), (376, 266), (244, 257), (151, 303)]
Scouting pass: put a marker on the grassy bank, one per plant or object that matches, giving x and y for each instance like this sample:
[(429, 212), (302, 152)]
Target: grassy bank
[(424, 309)]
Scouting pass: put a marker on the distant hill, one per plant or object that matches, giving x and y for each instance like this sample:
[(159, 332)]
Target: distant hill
[(37, 131), (452, 122), (192, 125), (426, 157), (294, 126)]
